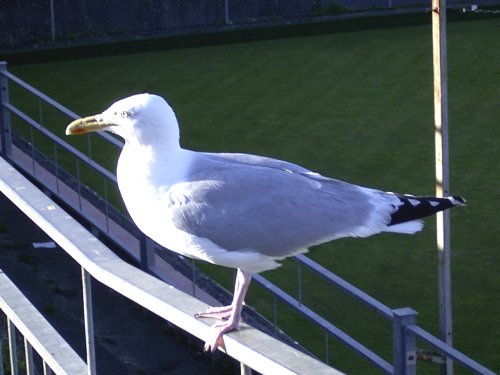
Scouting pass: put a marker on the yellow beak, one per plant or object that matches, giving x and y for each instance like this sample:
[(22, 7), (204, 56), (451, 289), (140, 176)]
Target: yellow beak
[(87, 125)]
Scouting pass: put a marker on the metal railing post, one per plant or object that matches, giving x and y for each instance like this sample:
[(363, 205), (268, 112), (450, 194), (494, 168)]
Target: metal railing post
[(147, 253), (46, 369), (11, 328), (404, 351), (227, 19), (52, 21), (5, 131), (28, 352), (244, 369), (1, 346), (89, 322)]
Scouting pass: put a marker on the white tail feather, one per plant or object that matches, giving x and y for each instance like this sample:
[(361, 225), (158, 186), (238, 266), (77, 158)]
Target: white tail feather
[(409, 227)]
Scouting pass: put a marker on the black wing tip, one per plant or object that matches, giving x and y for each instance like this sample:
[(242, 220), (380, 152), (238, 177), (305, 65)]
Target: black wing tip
[(413, 207), (455, 200)]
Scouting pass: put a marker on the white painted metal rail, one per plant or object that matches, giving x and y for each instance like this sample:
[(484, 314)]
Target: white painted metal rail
[(249, 346), (38, 334)]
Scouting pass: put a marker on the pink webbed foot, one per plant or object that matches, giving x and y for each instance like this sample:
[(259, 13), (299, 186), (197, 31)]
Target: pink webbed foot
[(229, 316), (226, 324)]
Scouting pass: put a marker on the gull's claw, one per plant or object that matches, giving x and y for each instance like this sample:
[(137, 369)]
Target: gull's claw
[(216, 339), (215, 342), (229, 316), (227, 322)]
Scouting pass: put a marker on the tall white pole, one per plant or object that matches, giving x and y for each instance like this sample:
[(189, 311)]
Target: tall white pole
[(440, 64)]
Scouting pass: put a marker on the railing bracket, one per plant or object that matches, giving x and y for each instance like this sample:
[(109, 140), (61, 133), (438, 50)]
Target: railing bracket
[(430, 356)]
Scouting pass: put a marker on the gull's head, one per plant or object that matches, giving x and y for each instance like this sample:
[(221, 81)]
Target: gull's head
[(143, 118)]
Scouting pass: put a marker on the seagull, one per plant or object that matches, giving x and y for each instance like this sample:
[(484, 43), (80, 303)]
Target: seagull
[(238, 210)]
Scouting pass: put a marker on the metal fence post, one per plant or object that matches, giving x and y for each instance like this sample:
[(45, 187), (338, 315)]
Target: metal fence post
[(28, 352), (441, 144), (12, 334), (147, 253), (88, 315), (244, 369), (52, 21), (1, 344), (46, 369), (227, 19), (5, 131), (404, 351)]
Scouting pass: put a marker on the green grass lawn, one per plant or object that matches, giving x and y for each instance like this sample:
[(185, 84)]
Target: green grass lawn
[(356, 106)]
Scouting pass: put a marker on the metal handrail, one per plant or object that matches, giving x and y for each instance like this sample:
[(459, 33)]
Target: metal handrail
[(37, 332), (344, 286), (65, 145), (450, 352), (54, 103), (334, 331), (403, 343)]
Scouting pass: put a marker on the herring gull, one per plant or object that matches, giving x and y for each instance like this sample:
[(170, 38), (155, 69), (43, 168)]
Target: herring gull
[(238, 210)]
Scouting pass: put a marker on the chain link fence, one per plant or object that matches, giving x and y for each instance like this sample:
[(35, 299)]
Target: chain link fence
[(28, 23)]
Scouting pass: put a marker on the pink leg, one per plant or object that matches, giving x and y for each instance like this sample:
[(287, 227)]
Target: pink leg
[(222, 312), (232, 313)]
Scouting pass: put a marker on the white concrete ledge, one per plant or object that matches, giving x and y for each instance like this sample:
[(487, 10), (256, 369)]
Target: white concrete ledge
[(247, 345)]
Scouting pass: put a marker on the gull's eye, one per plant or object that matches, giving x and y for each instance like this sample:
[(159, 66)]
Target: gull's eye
[(126, 114)]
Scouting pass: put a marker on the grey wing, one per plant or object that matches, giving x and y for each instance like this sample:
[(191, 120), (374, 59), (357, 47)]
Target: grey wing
[(272, 211), (258, 160)]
